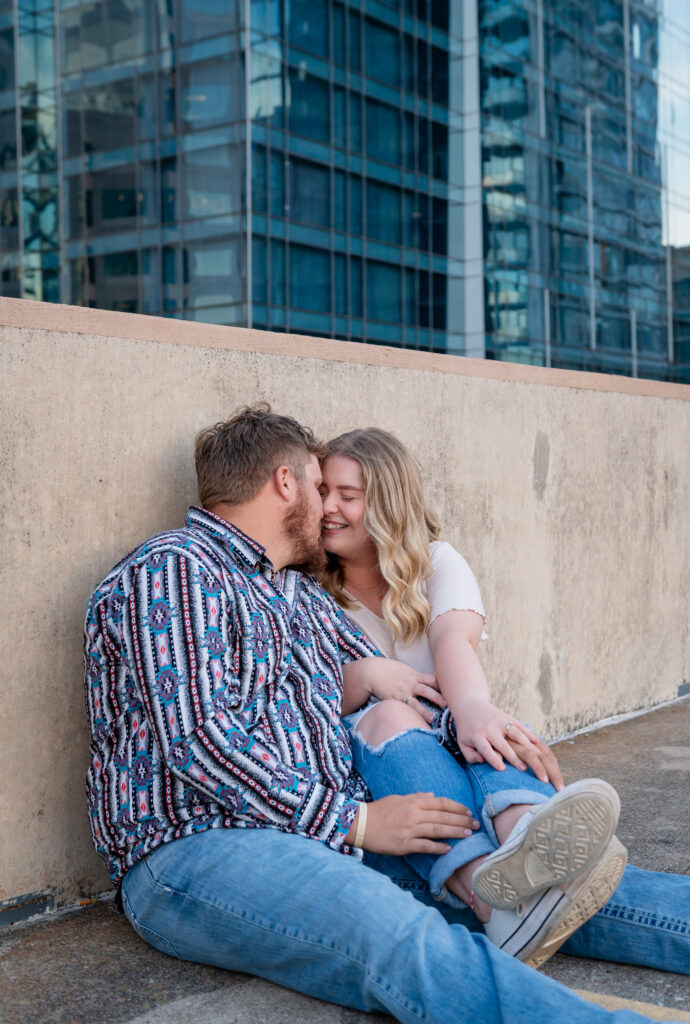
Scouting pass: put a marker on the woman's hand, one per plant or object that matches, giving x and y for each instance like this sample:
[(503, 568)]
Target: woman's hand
[(392, 680), (482, 736), (481, 732), (415, 823)]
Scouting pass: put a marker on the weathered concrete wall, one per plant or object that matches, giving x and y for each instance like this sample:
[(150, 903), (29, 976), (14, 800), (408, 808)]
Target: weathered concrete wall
[(568, 493)]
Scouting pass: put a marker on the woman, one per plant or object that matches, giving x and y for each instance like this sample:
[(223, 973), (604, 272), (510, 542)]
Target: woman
[(418, 601)]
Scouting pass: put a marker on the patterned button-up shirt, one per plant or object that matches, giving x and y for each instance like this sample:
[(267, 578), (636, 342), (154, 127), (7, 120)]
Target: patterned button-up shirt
[(213, 696)]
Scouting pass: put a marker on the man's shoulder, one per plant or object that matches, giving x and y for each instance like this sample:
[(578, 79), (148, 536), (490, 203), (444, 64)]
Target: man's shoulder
[(186, 541)]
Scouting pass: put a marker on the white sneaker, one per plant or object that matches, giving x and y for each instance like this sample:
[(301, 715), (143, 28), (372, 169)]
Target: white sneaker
[(551, 843), (535, 929)]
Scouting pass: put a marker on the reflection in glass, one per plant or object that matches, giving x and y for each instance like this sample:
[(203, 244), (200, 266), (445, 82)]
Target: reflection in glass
[(212, 272), (210, 93), (211, 181)]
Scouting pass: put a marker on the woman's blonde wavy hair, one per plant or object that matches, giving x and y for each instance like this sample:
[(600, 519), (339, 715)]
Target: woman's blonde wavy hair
[(400, 523)]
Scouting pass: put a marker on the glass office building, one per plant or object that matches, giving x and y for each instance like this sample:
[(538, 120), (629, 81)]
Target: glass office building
[(424, 173), (586, 173)]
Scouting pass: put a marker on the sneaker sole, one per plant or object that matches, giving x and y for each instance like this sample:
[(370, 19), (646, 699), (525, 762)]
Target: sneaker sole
[(563, 840), (595, 893)]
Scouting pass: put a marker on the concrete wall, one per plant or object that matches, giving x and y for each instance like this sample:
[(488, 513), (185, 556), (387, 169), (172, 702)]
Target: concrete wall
[(568, 493)]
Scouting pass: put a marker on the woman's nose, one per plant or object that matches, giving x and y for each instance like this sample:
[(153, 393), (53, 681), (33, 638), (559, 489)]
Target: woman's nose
[(329, 504)]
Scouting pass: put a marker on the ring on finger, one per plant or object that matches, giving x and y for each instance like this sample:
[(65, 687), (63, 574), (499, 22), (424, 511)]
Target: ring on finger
[(408, 699), (507, 727)]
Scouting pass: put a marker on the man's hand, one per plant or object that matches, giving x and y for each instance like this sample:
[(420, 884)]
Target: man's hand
[(416, 823)]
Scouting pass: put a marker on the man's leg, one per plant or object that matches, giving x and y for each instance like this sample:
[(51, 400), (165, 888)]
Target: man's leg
[(646, 922), (291, 910)]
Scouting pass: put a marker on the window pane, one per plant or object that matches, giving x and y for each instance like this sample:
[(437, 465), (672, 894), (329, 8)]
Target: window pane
[(200, 19), (309, 113), (384, 297), (167, 86), (338, 34), (6, 57), (111, 200), (259, 179), (8, 141), (340, 284), (171, 299), (354, 42), (307, 25), (211, 181), (439, 240), (9, 220), (340, 202), (110, 116), (147, 196), (212, 272), (383, 212), (210, 93), (339, 118), (150, 281), (310, 279), (266, 89), (147, 107), (310, 199), (439, 76), (169, 189), (383, 53), (383, 132), (277, 184), (277, 273), (114, 281), (259, 270), (439, 150), (355, 286), (439, 286), (355, 122), (355, 206)]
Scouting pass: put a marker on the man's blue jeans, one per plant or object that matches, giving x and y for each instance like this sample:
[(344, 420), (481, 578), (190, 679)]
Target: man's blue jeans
[(294, 911)]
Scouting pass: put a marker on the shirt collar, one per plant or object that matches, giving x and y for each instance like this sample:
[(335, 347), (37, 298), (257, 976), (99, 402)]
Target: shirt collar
[(247, 550)]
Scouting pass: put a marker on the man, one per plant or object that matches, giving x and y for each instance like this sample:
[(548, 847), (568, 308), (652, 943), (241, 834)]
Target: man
[(220, 787)]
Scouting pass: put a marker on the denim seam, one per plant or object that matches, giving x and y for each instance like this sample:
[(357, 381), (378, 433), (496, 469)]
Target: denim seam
[(139, 927), (292, 933), (645, 919)]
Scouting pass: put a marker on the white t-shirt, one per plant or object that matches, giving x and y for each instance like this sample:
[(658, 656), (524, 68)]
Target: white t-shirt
[(451, 587)]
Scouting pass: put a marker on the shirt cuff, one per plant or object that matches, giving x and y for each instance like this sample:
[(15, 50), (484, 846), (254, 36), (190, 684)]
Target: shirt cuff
[(325, 814)]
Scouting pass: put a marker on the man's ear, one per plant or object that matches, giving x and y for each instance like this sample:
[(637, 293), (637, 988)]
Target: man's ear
[(284, 482)]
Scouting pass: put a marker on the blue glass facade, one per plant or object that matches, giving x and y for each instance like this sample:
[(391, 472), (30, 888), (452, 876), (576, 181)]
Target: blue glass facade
[(485, 177), (585, 160)]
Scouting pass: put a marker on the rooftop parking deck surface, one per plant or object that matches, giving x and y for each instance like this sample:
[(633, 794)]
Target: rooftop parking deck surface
[(89, 967)]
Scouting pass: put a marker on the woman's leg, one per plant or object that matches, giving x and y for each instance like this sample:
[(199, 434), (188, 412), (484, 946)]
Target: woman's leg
[(395, 751)]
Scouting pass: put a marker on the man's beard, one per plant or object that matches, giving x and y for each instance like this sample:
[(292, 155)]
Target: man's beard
[(308, 552)]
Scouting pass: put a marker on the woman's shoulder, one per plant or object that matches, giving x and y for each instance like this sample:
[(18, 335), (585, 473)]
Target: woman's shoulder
[(440, 551)]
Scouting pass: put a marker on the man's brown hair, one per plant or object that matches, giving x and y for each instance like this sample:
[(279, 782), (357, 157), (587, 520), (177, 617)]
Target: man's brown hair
[(234, 459)]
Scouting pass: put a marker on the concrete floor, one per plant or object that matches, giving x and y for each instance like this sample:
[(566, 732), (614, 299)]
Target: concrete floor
[(89, 967)]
